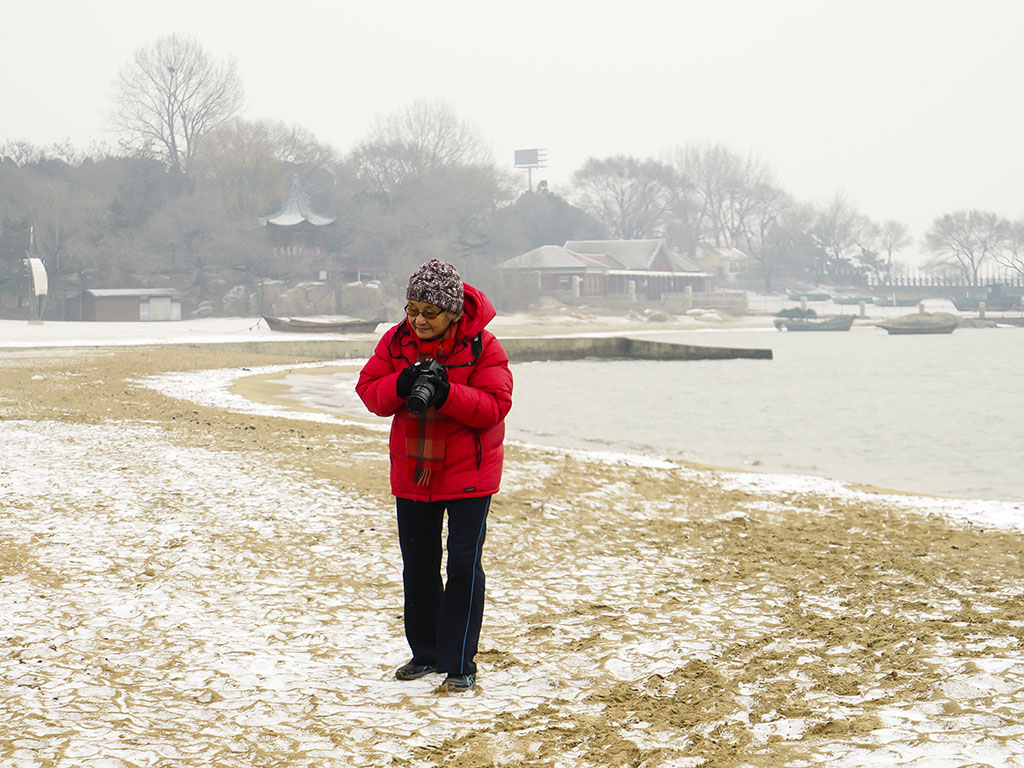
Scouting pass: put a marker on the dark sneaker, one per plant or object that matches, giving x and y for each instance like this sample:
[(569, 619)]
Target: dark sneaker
[(413, 671), (458, 683)]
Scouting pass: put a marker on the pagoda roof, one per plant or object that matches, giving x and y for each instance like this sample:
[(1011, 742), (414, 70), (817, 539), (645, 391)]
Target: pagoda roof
[(296, 210)]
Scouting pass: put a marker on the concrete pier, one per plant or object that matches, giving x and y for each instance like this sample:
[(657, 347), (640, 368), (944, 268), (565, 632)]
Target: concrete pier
[(520, 348)]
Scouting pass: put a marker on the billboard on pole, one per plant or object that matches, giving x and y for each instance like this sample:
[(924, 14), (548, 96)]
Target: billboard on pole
[(530, 158)]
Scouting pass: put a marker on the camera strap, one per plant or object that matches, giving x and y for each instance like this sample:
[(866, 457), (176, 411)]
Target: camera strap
[(476, 347)]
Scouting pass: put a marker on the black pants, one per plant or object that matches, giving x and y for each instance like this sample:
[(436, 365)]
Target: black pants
[(442, 619)]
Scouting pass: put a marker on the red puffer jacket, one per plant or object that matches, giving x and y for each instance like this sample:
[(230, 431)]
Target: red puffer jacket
[(478, 400)]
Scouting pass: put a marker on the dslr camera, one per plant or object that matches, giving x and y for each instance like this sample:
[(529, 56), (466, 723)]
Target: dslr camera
[(431, 374)]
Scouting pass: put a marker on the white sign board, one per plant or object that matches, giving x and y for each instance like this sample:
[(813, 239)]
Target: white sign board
[(39, 285)]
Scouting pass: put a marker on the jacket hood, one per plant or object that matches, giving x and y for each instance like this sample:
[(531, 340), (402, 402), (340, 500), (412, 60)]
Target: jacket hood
[(477, 312)]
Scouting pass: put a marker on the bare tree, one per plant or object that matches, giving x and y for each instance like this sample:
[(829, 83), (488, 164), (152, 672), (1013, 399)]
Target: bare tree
[(254, 163), (629, 197), (839, 232), (242, 159), (299, 146), (425, 137), (685, 218), (752, 193), (1011, 254), (704, 171), (20, 152), (725, 187), (169, 96), (788, 245), (65, 151), (891, 237), (762, 232), (424, 186), (965, 240), (871, 257)]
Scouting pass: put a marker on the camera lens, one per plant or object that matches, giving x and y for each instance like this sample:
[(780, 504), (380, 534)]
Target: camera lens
[(422, 393)]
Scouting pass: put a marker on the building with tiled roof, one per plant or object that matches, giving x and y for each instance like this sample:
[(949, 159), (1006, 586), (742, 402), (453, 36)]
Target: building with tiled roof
[(726, 262), (610, 267)]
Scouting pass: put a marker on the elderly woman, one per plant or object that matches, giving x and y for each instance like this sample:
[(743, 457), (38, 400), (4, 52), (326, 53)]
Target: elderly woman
[(445, 382)]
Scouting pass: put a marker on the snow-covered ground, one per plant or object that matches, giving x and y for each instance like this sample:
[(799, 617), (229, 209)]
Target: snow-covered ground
[(15, 334)]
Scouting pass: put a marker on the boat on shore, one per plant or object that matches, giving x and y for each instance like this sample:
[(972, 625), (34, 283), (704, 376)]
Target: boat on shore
[(325, 324), (921, 323), (826, 323), (796, 312), (852, 300), (896, 301), (996, 299), (809, 295)]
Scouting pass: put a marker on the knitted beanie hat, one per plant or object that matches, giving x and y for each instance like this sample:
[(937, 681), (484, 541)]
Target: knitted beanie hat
[(437, 283)]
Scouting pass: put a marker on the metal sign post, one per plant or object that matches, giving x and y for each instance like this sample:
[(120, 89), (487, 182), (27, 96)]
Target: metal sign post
[(530, 159)]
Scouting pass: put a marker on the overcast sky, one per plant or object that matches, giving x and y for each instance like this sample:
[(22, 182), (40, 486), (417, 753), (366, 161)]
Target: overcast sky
[(912, 109)]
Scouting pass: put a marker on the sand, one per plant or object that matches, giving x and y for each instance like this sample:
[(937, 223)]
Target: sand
[(191, 586)]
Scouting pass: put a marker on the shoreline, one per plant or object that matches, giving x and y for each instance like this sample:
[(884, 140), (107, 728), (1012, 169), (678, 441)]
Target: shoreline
[(269, 389), (20, 334), (17, 335)]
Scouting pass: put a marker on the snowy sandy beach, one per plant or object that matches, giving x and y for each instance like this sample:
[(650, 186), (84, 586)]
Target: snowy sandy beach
[(191, 578)]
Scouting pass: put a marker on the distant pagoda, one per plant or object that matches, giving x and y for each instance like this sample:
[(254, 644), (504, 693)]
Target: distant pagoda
[(296, 229)]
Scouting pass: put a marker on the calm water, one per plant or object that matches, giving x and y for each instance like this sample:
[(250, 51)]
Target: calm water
[(933, 414), (929, 414)]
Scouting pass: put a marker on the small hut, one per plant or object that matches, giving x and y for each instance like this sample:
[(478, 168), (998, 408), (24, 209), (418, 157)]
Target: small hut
[(130, 304)]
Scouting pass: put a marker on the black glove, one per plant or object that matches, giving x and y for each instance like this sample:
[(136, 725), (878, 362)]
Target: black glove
[(405, 381), (441, 393), (438, 376)]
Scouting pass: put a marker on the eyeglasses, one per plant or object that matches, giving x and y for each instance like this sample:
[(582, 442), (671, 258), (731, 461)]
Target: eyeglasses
[(428, 314)]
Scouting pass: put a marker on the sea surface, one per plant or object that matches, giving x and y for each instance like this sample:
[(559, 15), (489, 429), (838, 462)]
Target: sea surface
[(927, 414), (937, 415)]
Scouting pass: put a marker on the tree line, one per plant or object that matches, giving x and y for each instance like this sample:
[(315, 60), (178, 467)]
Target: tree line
[(181, 193)]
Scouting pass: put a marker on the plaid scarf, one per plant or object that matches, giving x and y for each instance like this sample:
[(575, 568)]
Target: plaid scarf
[(425, 432)]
